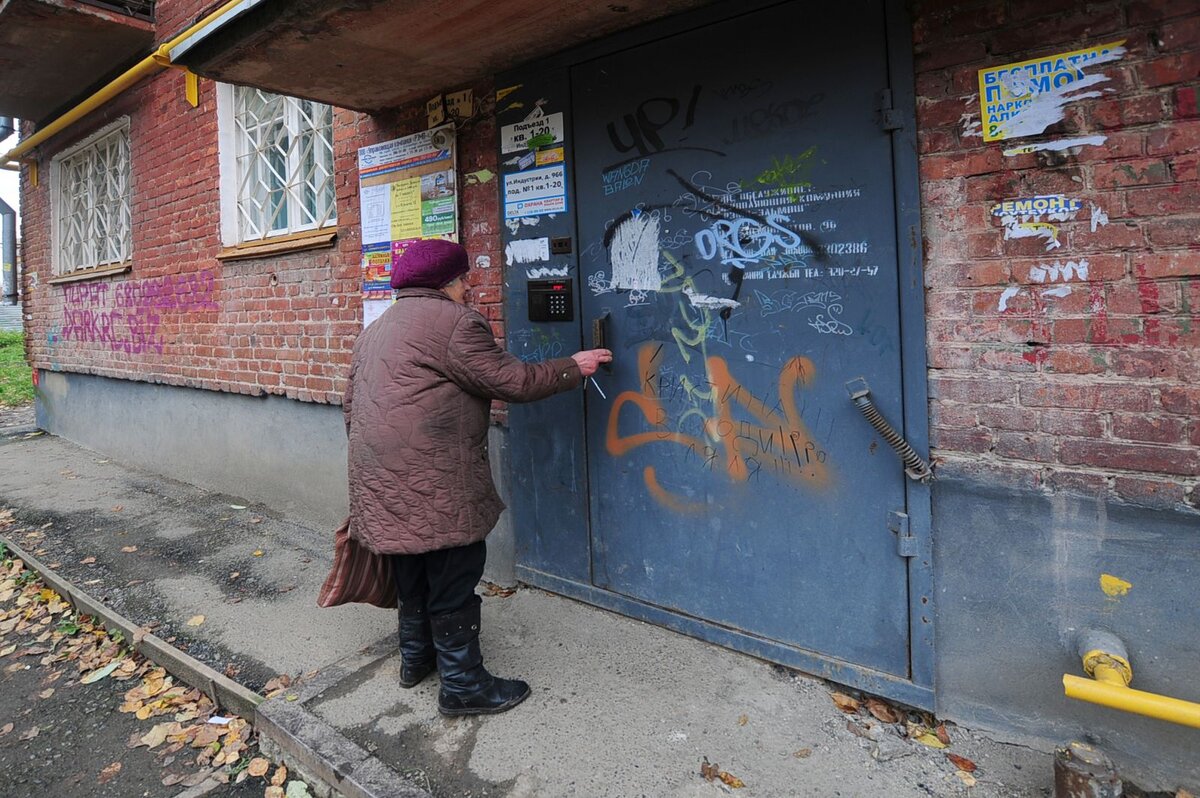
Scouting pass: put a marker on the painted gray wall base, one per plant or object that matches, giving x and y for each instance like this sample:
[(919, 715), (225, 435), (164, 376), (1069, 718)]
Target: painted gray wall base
[(286, 454), (1018, 575)]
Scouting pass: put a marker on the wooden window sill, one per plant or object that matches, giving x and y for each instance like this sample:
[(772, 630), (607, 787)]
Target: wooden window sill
[(89, 274), (297, 242)]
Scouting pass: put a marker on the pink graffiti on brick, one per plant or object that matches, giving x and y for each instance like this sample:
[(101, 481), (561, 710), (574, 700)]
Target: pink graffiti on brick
[(126, 316)]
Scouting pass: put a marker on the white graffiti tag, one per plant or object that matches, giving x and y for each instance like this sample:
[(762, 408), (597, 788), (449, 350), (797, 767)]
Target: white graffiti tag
[(743, 242)]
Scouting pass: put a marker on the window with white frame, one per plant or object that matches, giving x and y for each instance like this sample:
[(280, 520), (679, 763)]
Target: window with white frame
[(276, 164), (91, 215)]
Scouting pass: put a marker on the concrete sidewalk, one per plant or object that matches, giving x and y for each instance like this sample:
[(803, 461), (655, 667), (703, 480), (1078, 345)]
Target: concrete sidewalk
[(620, 708)]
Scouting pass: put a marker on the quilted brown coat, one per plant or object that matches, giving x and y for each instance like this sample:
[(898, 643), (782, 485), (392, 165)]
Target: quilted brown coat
[(417, 404)]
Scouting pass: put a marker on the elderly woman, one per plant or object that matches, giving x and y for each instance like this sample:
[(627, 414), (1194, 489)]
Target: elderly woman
[(421, 384)]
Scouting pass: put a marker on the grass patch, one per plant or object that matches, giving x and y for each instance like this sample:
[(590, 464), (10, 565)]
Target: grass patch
[(16, 378)]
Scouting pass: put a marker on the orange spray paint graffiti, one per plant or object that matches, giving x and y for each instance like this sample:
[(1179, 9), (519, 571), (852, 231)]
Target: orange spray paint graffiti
[(772, 442), (775, 440)]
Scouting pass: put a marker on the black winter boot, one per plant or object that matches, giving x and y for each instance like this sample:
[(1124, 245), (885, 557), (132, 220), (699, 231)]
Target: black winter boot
[(417, 655), (467, 687)]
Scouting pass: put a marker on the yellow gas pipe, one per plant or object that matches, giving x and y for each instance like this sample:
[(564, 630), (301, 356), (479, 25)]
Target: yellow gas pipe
[(1107, 663), (158, 60)]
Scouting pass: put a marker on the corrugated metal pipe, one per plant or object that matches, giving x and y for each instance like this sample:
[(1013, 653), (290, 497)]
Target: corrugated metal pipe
[(8, 232), (914, 466), (157, 61), (1106, 660)]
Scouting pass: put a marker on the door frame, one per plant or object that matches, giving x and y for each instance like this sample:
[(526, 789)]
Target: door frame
[(918, 690)]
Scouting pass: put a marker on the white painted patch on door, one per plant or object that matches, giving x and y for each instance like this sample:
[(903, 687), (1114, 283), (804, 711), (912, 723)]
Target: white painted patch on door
[(709, 302), (634, 254), (527, 250)]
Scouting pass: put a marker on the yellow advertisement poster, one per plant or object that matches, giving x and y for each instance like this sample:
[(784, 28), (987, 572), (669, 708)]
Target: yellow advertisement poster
[(1025, 98), (406, 209)]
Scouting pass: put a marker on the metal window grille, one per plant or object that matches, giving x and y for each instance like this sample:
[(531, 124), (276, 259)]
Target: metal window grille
[(142, 9), (284, 164), (94, 219)]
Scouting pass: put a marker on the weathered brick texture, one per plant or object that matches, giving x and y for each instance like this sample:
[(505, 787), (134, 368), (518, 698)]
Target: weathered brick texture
[(283, 324), (1092, 387)]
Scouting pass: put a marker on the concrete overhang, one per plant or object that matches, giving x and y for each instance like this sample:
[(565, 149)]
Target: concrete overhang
[(53, 52), (368, 55)]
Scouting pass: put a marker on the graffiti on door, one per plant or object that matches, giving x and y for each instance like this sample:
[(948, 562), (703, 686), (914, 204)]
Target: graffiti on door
[(714, 423)]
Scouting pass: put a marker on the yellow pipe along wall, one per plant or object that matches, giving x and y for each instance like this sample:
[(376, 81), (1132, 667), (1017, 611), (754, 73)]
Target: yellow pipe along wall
[(158, 60), (1107, 663)]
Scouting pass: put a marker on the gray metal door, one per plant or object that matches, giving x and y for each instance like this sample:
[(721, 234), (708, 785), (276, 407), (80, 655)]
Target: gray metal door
[(737, 239)]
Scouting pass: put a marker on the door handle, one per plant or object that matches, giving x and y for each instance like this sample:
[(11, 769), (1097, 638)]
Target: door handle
[(915, 467), (600, 337)]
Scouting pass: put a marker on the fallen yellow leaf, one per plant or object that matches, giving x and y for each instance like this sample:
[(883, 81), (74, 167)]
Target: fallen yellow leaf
[(930, 740), (156, 736), (258, 766), (258, 552), (743, 720), (732, 780), (845, 703), (965, 777), (195, 620), (280, 776), (129, 549)]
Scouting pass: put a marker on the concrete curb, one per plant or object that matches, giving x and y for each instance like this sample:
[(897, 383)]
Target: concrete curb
[(330, 762), (319, 751)]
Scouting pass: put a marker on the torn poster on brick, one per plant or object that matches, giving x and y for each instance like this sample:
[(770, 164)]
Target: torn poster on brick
[(1034, 217), (1025, 98)]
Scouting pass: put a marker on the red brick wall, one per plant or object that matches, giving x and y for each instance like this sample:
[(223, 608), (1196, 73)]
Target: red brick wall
[(273, 325), (1097, 390)]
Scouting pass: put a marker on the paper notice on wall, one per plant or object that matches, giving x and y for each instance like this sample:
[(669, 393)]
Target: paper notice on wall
[(407, 191), (373, 309), (545, 130), (535, 192), (376, 214), (1025, 98)]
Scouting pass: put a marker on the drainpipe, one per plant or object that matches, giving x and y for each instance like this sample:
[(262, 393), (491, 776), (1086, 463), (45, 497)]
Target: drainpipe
[(8, 232), (1106, 660), (157, 61)]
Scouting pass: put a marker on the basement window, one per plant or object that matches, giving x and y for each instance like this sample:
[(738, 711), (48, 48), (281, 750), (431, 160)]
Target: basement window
[(90, 215), (276, 165)]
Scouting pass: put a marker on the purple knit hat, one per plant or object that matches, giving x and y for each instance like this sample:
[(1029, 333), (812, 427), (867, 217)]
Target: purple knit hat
[(429, 263)]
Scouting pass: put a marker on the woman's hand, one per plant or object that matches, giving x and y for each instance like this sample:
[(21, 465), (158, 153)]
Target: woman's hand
[(590, 359)]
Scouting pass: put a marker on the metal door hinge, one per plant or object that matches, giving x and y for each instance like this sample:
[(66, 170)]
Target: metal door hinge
[(906, 544), (889, 117)]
